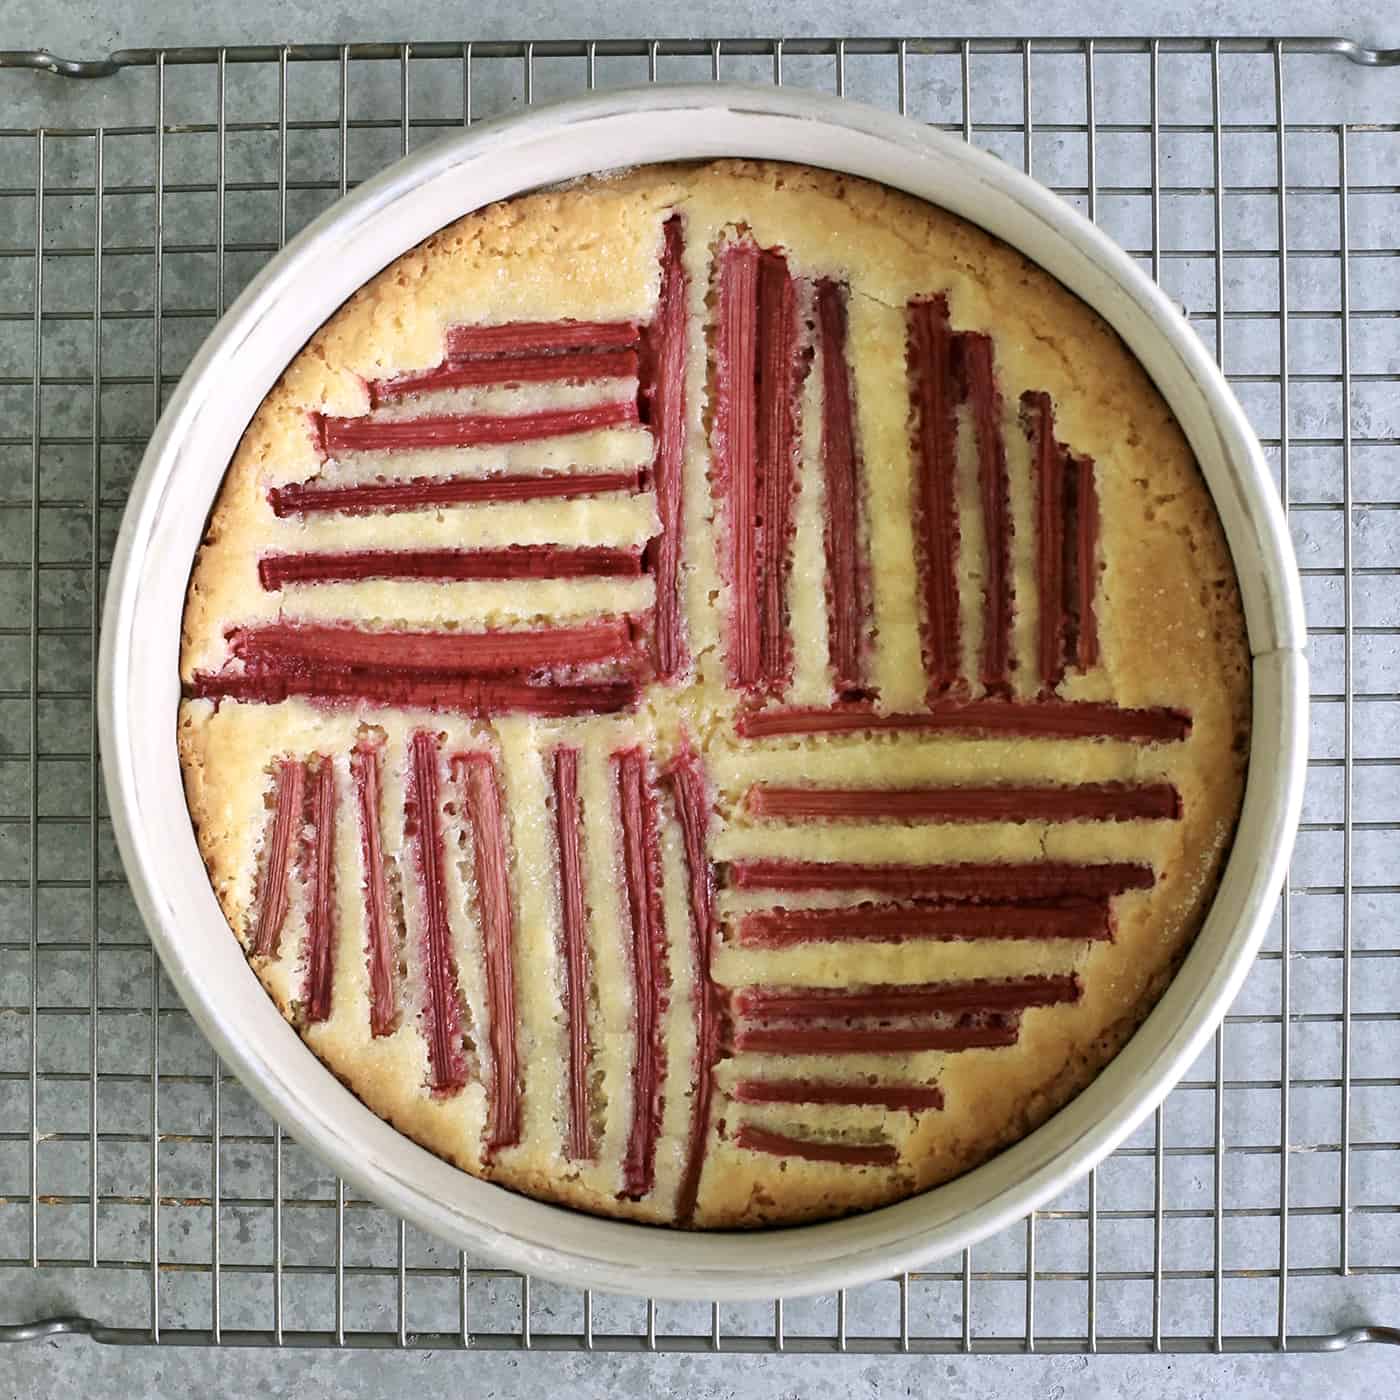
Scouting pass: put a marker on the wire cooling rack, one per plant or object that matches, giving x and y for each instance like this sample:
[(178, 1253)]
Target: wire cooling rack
[(145, 1198)]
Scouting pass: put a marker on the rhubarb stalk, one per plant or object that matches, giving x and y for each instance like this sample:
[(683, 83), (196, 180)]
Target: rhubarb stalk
[(381, 952), (1029, 719), (736, 450), (319, 864), (686, 781), (971, 883), (568, 366), (568, 819), (897, 1098), (539, 338), (989, 1034), (520, 561), (994, 490), (442, 1006), (846, 574), (339, 435), (423, 493), (1004, 802), (845, 1154), (1086, 574), (641, 862), (1085, 919), (882, 1003), (663, 396), (287, 646), (1048, 467), (759, 370), (780, 374), (457, 694), (278, 853), (1067, 549), (935, 393), (482, 790)]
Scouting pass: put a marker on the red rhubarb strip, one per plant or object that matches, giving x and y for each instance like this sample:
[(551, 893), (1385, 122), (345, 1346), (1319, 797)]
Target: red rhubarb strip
[(288, 646), (460, 695), (664, 344), (935, 394), (641, 862), (883, 1002), (520, 561), (1067, 552), (1030, 719), (539, 338), (568, 819), (898, 1098), (575, 366), (1086, 576), (848, 608), (780, 373), (387, 497), (469, 429), (876, 1040), (442, 1007), (845, 1154), (381, 951), (1048, 469), (736, 451), (967, 883), (1107, 802), (319, 864), (758, 373), (995, 491), (482, 788), (899, 923), (279, 850), (686, 782)]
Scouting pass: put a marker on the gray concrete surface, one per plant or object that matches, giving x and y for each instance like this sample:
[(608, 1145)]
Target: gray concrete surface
[(77, 29), (69, 1369)]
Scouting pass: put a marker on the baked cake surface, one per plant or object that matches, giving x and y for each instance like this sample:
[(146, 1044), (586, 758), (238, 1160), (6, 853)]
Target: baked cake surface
[(714, 695)]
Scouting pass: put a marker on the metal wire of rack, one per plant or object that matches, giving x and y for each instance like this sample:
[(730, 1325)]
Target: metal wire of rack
[(145, 1198)]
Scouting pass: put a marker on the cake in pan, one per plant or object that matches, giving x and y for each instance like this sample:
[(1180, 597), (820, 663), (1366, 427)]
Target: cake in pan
[(716, 695)]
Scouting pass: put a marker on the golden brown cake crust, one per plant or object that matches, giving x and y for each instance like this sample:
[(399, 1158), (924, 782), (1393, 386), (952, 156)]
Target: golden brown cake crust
[(1171, 634)]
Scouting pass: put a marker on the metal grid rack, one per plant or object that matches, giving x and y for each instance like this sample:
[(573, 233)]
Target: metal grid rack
[(143, 1196)]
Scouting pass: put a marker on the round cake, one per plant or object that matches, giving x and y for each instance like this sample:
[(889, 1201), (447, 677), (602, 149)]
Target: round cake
[(715, 695)]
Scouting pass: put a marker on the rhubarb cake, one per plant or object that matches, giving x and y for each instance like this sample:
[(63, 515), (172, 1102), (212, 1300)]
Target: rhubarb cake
[(714, 695)]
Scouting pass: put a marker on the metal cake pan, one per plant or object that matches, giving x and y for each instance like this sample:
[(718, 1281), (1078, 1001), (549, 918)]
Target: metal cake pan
[(139, 690)]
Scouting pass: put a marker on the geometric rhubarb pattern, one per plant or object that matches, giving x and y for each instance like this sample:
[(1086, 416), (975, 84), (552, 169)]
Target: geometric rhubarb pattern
[(434, 825)]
